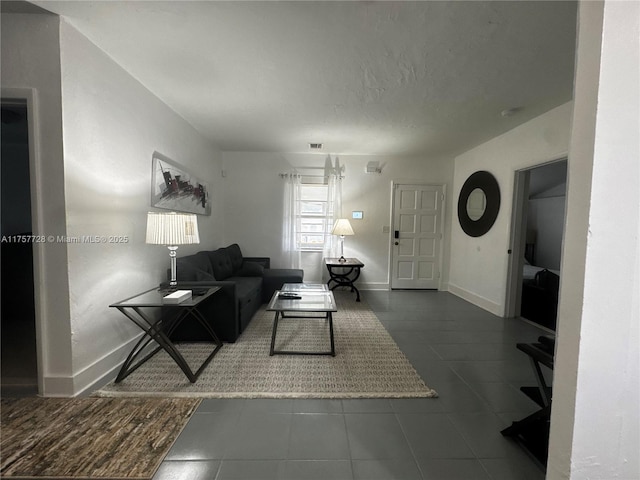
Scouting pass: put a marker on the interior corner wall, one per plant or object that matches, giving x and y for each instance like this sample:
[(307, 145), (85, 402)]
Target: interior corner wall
[(595, 421), (31, 61), (111, 127), (254, 205), (479, 266)]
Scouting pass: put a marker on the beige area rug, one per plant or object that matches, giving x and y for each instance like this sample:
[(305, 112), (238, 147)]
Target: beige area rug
[(368, 363), (89, 438)]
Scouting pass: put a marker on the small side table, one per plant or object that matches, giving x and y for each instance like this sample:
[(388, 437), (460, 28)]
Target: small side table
[(160, 329), (344, 274)]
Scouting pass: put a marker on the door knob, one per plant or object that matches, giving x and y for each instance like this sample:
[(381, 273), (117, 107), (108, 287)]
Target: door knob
[(396, 243)]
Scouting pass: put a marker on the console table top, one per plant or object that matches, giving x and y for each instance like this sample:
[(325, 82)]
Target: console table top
[(348, 262)]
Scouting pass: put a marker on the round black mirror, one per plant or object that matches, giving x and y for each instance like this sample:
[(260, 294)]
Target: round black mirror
[(478, 204)]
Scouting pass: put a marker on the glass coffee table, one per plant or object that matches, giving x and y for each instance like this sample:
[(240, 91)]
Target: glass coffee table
[(304, 287), (302, 298)]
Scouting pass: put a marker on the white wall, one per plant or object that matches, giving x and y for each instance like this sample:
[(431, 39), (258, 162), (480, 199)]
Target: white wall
[(478, 268), (94, 179), (112, 126), (595, 423), (31, 61), (254, 205)]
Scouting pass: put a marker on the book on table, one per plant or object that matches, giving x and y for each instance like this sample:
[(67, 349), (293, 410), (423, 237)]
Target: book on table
[(176, 297)]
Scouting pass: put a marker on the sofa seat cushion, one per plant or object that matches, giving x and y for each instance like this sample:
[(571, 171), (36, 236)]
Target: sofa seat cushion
[(246, 287)]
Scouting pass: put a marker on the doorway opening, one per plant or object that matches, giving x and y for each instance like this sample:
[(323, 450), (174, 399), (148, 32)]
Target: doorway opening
[(536, 243), (18, 323)]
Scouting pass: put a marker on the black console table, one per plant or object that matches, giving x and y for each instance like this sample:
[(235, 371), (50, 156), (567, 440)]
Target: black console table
[(159, 328), (344, 273), (532, 432)]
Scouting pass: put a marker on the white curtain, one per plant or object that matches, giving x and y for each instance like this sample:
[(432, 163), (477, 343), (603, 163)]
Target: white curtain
[(291, 226), (334, 204)]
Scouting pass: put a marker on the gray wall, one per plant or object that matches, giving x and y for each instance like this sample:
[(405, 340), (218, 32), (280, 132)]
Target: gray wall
[(254, 203), (479, 265), (546, 212)]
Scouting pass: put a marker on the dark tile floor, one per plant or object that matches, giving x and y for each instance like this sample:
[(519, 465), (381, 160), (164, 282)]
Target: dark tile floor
[(465, 353)]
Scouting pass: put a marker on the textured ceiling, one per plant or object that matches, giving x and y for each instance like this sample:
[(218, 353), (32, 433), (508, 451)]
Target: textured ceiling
[(361, 77)]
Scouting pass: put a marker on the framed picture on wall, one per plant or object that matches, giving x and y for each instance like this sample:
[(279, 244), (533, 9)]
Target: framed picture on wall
[(174, 188)]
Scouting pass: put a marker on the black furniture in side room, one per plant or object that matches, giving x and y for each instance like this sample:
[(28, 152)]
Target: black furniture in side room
[(540, 299)]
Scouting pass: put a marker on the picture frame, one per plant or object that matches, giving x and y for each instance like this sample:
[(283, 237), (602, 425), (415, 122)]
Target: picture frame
[(174, 188)]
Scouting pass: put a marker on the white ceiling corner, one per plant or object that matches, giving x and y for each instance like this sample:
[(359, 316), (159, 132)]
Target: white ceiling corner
[(361, 77)]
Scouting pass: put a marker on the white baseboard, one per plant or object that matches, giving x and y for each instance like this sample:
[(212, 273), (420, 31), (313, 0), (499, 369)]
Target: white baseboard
[(477, 300), (90, 378), (60, 386), (372, 285), (385, 286)]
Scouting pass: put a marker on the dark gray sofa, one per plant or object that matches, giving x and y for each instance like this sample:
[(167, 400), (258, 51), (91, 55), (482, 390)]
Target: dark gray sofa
[(246, 282)]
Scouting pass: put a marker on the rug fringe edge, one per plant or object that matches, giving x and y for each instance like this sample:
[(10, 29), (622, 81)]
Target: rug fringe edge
[(274, 395)]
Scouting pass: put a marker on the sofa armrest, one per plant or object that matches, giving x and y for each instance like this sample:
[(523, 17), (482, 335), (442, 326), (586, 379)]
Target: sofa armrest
[(264, 261)]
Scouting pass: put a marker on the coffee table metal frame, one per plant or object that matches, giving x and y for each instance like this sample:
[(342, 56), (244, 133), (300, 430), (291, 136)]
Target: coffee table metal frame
[(160, 329), (288, 308)]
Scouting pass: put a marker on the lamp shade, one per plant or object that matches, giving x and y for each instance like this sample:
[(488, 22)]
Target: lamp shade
[(171, 228), (342, 227)]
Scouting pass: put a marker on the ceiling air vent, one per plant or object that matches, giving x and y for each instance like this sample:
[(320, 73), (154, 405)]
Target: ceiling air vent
[(315, 146)]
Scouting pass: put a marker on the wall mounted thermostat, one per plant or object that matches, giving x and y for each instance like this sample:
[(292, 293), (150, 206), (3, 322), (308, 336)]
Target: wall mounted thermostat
[(356, 215)]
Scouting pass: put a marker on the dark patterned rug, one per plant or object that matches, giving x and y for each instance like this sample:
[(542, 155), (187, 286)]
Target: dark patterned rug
[(92, 438), (368, 363)]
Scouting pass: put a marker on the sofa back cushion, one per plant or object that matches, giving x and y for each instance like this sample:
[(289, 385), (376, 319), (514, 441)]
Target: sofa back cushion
[(201, 261), (221, 264), (235, 255), (186, 270)]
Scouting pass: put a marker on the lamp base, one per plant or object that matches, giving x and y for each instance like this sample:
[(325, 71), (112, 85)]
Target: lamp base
[(342, 259), (173, 283)]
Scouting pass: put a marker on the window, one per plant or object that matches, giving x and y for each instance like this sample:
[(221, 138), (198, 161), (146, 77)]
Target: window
[(315, 216)]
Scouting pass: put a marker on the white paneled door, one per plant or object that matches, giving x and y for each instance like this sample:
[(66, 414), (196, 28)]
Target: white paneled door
[(417, 236)]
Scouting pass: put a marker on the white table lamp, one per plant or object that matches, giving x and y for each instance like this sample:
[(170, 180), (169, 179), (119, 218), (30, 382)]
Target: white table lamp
[(342, 227), (172, 229)]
